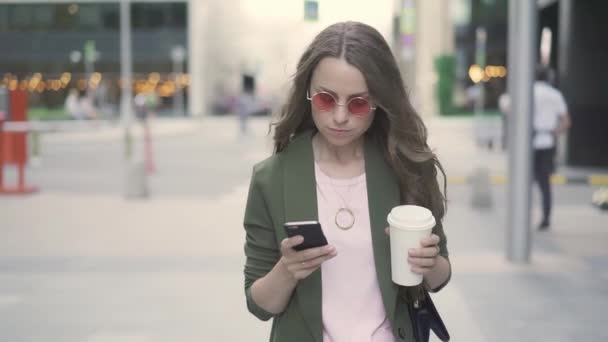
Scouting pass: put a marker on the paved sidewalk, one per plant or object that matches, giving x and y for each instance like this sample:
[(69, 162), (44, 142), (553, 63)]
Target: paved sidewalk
[(80, 263)]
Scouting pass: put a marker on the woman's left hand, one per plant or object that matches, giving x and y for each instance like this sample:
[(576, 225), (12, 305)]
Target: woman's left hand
[(423, 259)]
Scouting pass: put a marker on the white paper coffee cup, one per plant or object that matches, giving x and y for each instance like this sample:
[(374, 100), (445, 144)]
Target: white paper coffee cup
[(408, 225)]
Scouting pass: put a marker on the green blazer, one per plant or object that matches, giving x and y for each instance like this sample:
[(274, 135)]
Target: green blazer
[(283, 189)]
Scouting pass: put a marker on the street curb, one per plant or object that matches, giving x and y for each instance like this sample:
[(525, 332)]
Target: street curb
[(557, 179)]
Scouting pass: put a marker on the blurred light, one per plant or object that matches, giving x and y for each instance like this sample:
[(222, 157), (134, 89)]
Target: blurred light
[(147, 88), (66, 77), (139, 86), (95, 79), (491, 71), (166, 89), (153, 78), (82, 84), (502, 71), (75, 56), (476, 73), (178, 54), (33, 82), (73, 9), (41, 86), (184, 80), (56, 85)]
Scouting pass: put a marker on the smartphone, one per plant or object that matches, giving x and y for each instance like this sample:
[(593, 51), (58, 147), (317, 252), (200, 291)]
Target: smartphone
[(310, 230)]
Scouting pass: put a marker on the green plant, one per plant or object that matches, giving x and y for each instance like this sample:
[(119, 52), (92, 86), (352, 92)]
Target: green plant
[(445, 66), (44, 113)]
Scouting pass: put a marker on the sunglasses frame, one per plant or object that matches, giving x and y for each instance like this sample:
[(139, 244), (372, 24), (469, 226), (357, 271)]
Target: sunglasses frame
[(371, 107)]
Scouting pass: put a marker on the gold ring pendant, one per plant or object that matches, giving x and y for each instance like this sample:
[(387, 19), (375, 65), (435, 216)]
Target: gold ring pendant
[(347, 212)]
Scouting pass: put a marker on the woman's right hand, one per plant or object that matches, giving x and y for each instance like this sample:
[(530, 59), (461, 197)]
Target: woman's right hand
[(300, 264)]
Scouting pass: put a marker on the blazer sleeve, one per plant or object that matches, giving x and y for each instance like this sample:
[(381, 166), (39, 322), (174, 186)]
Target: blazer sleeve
[(261, 248), (443, 251)]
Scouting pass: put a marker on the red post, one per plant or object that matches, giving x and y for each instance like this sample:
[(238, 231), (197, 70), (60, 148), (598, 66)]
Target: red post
[(14, 145)]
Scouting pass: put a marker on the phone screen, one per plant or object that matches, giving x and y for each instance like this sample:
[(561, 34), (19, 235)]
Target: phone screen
[(310, 230)]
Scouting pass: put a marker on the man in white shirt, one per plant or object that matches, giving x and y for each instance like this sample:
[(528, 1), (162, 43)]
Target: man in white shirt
[(550, 120)]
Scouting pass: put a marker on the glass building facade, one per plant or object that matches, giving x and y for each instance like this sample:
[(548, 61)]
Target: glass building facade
[(45, 47)]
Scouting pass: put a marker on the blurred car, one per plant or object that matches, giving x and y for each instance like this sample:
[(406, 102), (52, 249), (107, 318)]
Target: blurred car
[(226, 105)]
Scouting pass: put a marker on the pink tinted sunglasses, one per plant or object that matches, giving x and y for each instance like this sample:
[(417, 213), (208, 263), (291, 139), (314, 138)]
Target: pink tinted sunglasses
[(326, 102)]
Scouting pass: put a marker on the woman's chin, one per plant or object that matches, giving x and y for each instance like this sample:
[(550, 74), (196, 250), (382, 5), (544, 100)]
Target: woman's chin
[(340, 140)]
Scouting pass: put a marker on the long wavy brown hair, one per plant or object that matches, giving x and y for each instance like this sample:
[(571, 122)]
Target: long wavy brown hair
[(397, 128)]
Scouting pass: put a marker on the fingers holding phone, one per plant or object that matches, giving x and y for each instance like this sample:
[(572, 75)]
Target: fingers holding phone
[(301, 264), (305, 249)]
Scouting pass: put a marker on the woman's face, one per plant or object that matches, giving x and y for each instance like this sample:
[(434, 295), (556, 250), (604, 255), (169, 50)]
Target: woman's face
[(345, 83)]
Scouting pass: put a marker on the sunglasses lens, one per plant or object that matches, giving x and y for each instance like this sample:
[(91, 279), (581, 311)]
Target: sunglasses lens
[(323, 101), (359, 106)]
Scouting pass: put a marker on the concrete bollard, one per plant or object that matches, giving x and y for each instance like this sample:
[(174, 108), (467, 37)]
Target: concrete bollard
[(35, 158), (600, 198), (136, 183), (481, 189)]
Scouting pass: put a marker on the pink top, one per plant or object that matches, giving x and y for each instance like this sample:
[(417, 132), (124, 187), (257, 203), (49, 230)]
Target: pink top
[(352, 304)]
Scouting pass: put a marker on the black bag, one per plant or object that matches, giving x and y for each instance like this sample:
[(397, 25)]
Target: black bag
[(425, 318)]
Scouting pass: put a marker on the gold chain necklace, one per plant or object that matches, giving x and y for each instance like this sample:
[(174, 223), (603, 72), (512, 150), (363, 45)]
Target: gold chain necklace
[(345, 217)]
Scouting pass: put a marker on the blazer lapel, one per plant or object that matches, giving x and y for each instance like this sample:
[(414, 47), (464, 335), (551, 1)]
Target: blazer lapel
[(383, 195), (300, 195)]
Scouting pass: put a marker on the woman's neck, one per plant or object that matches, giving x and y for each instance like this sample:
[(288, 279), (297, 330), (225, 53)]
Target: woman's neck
[(339, 161)]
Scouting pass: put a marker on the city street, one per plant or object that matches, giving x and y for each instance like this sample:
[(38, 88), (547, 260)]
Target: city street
[(81, 263)]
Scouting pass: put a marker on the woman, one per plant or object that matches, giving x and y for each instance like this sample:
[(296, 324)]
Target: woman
[(348, 148)]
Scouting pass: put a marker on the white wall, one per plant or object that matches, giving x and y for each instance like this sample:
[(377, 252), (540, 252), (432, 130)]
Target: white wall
[(269, 36), (434, 36)]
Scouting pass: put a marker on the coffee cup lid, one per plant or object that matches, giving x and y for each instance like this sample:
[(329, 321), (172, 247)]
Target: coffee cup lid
[(412, 217)]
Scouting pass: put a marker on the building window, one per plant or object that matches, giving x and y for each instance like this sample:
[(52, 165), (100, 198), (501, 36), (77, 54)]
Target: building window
[(110, 17), (311, 10), (89, 17)]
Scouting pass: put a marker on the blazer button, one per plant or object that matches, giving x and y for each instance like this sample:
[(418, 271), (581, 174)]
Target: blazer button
[(401, 333)]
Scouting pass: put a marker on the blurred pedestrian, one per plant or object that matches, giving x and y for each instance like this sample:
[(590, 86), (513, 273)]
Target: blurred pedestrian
[(87, 106), (102, 96), (145, 104), (550, 119), (348, 147), (152, 102), (141, 109), (72, 105), (246, 103), (503, 106)]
